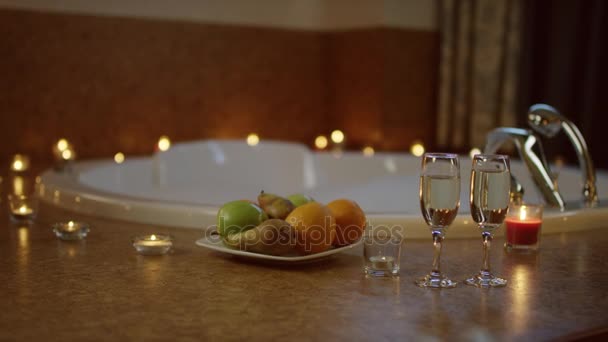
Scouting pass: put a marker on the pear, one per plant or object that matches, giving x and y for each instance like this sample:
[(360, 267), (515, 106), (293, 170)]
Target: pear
[(271, 237), (275, 206)]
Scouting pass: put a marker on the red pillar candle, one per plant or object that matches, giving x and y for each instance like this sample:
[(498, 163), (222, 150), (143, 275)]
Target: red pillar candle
[(523, 232), (523, 225)]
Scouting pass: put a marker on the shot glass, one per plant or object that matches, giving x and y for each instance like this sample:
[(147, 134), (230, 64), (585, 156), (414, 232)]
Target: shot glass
[(22, 208), (382, 252), (523, 227)]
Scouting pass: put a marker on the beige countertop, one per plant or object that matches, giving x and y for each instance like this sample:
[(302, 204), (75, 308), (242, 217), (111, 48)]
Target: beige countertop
[(101, 288)]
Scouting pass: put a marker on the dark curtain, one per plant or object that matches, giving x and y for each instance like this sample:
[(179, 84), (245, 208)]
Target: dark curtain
[(479, 68), (565, 64)]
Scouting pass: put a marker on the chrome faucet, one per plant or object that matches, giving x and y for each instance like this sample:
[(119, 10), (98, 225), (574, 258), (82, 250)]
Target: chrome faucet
[(547, 121), (532, 154)]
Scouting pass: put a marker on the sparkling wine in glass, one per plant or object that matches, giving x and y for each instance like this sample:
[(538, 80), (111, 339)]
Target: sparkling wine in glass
[(490, 185), (439, 203)]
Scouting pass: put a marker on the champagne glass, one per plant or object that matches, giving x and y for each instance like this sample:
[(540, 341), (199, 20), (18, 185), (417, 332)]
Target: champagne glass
[(439, 202), (490, 184)]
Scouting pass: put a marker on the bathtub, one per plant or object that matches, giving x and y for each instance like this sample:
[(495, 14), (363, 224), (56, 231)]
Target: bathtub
[(185, 186)]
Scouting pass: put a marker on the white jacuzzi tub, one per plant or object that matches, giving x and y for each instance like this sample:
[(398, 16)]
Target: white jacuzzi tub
[(185, 186)]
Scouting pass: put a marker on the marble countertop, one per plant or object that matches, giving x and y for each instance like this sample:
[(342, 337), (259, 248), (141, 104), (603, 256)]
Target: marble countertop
[(101, 288)]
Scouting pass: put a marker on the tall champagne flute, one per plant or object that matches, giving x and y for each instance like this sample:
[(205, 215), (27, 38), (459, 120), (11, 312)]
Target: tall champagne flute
[(490, 184), (439, 202)]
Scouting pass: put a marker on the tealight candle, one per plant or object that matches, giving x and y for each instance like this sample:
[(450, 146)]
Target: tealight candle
[(385, 263), (60, 146), (20, 163), (381, 252), (71, 230), (22, 208), (155, 244), (523, 225), (338, 138), (64, 154), (23, 211)]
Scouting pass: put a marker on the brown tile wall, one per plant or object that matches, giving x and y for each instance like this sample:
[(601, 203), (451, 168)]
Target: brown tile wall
[(111, 84), (383, 86)]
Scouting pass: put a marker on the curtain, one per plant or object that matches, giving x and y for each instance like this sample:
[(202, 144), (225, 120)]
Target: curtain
[(564, 64), (479, 61)]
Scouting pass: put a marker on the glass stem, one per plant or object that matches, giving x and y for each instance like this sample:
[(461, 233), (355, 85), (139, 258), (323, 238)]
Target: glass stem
[(437, 239), (487, 241)]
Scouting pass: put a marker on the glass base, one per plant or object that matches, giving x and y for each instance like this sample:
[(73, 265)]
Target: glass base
[(22, 219), (71, 235), (485, 279), (393, 272), (436, 281)]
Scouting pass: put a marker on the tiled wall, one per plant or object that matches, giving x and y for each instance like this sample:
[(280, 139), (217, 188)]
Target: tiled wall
[(383, 85), (116, 84)]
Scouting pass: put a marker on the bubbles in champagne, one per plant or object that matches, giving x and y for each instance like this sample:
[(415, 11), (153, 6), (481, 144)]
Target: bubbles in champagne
[(439, 199), (490, 196)]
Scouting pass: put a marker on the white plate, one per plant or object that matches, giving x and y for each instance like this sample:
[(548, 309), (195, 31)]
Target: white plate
[(215, 243)]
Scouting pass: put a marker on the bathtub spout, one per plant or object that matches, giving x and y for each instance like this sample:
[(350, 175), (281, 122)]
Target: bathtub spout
[(531, 152), (547, 121)]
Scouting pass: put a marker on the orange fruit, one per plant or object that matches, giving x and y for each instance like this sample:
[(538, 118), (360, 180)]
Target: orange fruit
[(315, 227), (350, 221)]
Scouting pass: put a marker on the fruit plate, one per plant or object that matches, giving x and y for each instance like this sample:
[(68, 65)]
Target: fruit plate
[(214, 242)]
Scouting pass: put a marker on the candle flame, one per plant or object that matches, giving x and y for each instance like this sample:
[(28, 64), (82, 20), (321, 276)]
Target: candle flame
[(17, 165), (474, 151), (62, 144), (337, 136), (71, 224), (417, 149), (321, 142), (253, 139), (119, 158), (368, 151), (523, 213), (164, 143), (66, 154), (153, 237), (20, 163), (23, 209)]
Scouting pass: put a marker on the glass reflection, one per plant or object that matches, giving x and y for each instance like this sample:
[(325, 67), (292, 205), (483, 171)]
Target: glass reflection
[(153, 269), (23, 250), (373, 286), (582, 255), (524, 269), (23, 259), (436, 321), (18, 185), (521, 297), (71, 249)]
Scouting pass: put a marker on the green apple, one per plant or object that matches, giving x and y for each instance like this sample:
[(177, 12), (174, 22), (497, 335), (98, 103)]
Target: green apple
[(239, 216), (299, 199)]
